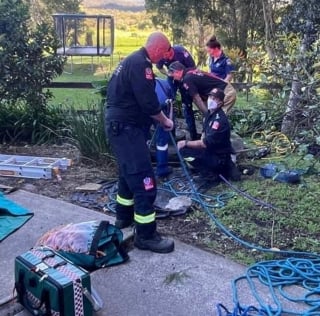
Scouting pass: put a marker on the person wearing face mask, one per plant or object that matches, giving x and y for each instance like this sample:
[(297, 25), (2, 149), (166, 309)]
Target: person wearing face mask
[(212, 153)]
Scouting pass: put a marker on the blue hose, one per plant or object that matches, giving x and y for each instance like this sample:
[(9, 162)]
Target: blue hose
[(276, 275)]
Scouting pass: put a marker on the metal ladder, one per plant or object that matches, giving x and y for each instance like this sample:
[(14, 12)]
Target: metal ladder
[(32, 167)]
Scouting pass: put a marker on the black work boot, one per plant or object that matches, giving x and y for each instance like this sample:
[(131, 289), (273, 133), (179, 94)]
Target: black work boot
[(147, 238), (156, 243)]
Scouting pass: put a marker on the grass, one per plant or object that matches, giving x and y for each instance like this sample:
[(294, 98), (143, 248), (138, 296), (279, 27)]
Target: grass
[(292, 225), (126, 43), (78, 98), (80, 70), (88, 69)]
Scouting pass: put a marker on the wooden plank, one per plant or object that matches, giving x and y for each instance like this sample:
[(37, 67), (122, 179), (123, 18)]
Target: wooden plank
[(71, 85)]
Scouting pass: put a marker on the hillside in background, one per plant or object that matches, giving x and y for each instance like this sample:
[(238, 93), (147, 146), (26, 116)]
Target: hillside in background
[(122, 5)]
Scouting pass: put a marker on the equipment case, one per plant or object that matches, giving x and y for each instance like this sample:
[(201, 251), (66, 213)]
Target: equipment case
[(48, 284)]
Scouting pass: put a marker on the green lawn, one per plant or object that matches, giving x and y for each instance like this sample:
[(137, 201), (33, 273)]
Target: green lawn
[(80, 69), (88, 69)]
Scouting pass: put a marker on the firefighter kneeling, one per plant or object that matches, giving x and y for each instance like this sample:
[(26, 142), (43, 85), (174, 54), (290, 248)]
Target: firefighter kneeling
[(212, 153)]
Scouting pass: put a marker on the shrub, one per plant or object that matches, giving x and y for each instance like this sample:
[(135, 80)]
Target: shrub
[(85, 129), (21, 124), (28, 59)]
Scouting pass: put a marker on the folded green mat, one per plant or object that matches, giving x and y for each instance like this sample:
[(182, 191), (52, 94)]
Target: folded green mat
[(12, 216)]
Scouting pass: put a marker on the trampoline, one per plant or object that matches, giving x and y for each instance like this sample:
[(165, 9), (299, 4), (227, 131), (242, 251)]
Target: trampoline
[(84, 35)]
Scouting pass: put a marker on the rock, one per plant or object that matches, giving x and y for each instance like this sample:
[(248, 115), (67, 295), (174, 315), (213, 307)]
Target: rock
[(237, 142), (89, 187), (179, 203)]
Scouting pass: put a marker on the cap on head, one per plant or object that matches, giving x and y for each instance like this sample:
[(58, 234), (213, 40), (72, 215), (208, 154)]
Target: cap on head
[(176, 66), (217, 93)]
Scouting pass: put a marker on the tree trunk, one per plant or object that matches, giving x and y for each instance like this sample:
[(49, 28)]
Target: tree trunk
[(288, 125), (269, 28), (291, 116)]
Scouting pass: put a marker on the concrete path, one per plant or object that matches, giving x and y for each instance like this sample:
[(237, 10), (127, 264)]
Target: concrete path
[(186, 282)]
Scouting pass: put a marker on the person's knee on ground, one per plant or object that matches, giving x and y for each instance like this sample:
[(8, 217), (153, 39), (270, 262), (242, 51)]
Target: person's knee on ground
[(230, 171), (162, 139), (163, 169)]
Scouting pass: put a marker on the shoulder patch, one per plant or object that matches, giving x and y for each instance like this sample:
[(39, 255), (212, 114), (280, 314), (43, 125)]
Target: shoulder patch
[(185, 86), (149, 73), (215, 125)]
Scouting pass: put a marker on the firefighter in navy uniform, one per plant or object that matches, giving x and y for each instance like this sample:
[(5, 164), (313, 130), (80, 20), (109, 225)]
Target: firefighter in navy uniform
[(131, 102), (199, 83), (212, 153), (182, 55)]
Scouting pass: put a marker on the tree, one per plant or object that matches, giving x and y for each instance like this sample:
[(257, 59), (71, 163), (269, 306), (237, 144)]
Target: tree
[(297, 52), (233, 21), (28, 59), (187, 23), (236, 21), (62, 6)]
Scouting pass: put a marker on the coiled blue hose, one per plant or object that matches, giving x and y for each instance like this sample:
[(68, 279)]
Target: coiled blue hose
[(302, 271)]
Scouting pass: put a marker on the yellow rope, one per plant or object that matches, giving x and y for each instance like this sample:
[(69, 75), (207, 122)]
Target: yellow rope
[(277, 141)]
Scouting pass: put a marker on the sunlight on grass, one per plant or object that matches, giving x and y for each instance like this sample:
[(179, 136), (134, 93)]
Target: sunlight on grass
[(80, 69), (78, 98), (127, 42)]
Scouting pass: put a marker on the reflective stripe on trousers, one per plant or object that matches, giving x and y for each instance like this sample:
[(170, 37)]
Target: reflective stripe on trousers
[(147, 219), (123, 201)]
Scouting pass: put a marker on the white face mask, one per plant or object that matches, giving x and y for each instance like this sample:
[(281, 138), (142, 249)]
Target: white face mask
[(212, 104)]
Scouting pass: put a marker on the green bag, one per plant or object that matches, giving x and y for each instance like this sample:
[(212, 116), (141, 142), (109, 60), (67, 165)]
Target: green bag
[(90, 245)]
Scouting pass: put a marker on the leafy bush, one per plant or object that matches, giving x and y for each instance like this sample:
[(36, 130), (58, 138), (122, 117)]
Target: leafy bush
[(258, 117), (19, 123), (85, 129), (55, 124), (28, 59)]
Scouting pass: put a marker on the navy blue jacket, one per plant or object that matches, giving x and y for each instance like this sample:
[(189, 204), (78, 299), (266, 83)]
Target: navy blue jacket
[(182, 55), (200, 82), (216, 130), (222, 66), (131, 96)]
